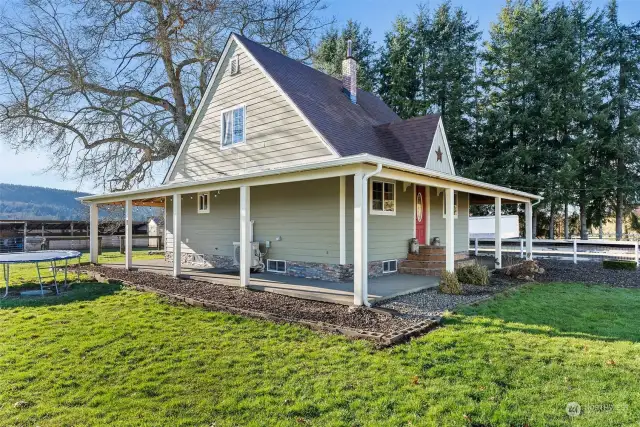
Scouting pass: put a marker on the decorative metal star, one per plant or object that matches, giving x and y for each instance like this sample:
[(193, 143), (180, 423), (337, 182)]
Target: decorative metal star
[(439, 154)]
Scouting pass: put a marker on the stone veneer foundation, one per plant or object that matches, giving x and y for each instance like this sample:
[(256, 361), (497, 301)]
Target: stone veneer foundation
[(309, 270)]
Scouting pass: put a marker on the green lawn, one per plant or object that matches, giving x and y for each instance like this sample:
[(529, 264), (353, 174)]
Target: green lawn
[(105, 355)]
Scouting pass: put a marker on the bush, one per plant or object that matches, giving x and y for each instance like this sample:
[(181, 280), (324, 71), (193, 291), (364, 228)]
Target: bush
[(474, 274), (449, 283), (615, 264)]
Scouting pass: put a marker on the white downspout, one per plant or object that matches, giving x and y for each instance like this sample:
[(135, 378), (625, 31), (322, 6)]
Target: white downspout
[(365, 234)]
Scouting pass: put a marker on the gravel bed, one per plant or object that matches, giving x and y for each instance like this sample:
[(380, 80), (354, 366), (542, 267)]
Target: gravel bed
[(433, 303), (587, 272), (266, 302)]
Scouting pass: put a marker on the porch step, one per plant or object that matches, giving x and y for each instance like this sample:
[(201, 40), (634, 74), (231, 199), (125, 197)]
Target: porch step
[(435, 272), (423, 264), (426, 257), (432, 250)]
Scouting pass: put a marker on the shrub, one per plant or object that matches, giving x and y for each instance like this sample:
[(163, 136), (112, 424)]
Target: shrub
[(449, 283), (616, 264), (525, 270), (474, 274)]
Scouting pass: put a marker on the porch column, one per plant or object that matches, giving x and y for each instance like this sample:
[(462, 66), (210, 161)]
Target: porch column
[(528, 226), (177, 235), (93, 233), (342, 220), (498, 232), (128, 234), (245, 235), (360, 270), (449, 230)]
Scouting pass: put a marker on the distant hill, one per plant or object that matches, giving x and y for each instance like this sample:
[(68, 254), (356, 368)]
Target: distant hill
[(27, 202)]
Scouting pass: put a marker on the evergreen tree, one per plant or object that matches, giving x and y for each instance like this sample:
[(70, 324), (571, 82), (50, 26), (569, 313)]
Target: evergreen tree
[(398, 83), (332, 50)]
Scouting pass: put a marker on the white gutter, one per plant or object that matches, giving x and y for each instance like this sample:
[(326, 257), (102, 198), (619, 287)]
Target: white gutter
[(343, 161), (365, 243)]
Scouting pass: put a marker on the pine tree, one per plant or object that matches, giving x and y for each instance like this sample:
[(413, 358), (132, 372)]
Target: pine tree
[(397, 70), (332, 49)]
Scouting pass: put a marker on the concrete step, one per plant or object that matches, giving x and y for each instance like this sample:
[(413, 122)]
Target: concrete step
[(420, 257), (421, 271), (422, 264)]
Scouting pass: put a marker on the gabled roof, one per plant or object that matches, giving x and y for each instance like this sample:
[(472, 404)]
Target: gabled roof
[(369, 126)]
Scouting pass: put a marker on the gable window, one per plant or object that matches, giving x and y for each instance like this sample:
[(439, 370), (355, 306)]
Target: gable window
[(235, 65), (455, 204), (203, 202), (390, 266), (383, 198), (276, 266), (232, 127)]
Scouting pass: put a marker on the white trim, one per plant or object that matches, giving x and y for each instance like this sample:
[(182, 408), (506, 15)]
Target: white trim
[(449, 231), (94, 239), (208, 208), (446, 146), (176, 209), (393, 170), (427, 191), (415, 212), (128, 234), (277, 260), (245, 236), (244, 127), (360, 268), (383, 212), (389, 261), (343, 220), (498, 232)]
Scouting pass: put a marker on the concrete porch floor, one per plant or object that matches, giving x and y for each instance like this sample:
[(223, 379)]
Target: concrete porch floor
[(380, 288)]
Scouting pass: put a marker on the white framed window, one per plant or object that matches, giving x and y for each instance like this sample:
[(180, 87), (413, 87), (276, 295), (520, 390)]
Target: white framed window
[(203, 202), (455, 204), (390, 266), (232, 127), (276, 266), (383, 197)]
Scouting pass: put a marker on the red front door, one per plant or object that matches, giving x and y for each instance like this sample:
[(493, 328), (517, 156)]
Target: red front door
[(421, 214)]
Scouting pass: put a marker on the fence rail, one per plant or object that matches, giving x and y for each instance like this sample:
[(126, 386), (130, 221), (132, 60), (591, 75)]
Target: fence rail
[(80, 243), (575, 250)]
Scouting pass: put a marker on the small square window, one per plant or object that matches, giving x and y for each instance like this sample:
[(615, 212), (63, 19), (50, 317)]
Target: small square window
[(232, 127), (276, 266), (203, 202), (455, 204), (383, 198), (390, 266)]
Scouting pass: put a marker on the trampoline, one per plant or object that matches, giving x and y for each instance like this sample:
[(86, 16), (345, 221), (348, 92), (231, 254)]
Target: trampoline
[(51, 259)]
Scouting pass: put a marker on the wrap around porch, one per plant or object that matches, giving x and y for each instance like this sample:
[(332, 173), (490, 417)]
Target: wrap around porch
[(352, 220)]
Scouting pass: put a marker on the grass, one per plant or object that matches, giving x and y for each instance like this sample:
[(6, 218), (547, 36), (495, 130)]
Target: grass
[(106, 355)]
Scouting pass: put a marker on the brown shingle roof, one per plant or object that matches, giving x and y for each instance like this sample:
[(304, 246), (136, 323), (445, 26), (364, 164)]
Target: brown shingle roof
[(350, 128)]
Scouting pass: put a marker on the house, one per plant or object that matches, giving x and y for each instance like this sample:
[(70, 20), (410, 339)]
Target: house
[(321, 176)]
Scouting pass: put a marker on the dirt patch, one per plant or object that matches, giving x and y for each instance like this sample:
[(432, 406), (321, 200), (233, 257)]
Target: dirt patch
[(270, 305)]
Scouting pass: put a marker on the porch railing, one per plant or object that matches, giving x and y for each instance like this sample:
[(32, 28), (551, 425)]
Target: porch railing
[(573, 250)]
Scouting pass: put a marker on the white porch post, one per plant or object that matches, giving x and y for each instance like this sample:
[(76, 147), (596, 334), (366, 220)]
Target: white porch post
[(342, 220), (177, 235), (93, 233), (245, 235), (498, 232), (360, 270), (449, 230), (128, 234), (528, 213)]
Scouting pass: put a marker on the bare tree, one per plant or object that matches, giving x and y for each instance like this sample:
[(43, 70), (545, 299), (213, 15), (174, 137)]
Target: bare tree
[(108, 87)]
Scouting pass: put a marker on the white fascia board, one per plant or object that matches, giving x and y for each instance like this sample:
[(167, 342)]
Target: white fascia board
[(324, 169)]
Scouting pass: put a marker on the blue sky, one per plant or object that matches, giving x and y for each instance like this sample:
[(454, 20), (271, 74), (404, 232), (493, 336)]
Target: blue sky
[(27, 168)]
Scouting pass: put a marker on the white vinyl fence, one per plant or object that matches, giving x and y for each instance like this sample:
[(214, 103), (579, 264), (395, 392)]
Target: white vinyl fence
[(571, 250)]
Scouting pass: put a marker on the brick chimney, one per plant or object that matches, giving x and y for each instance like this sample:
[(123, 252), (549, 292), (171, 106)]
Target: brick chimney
[(349, 77)]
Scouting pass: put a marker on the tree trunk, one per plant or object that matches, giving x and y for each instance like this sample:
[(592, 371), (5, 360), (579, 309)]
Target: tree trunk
[(619, 202), (600, 230), (584, 234), (534, 225), (551, 222), (566, 221)]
